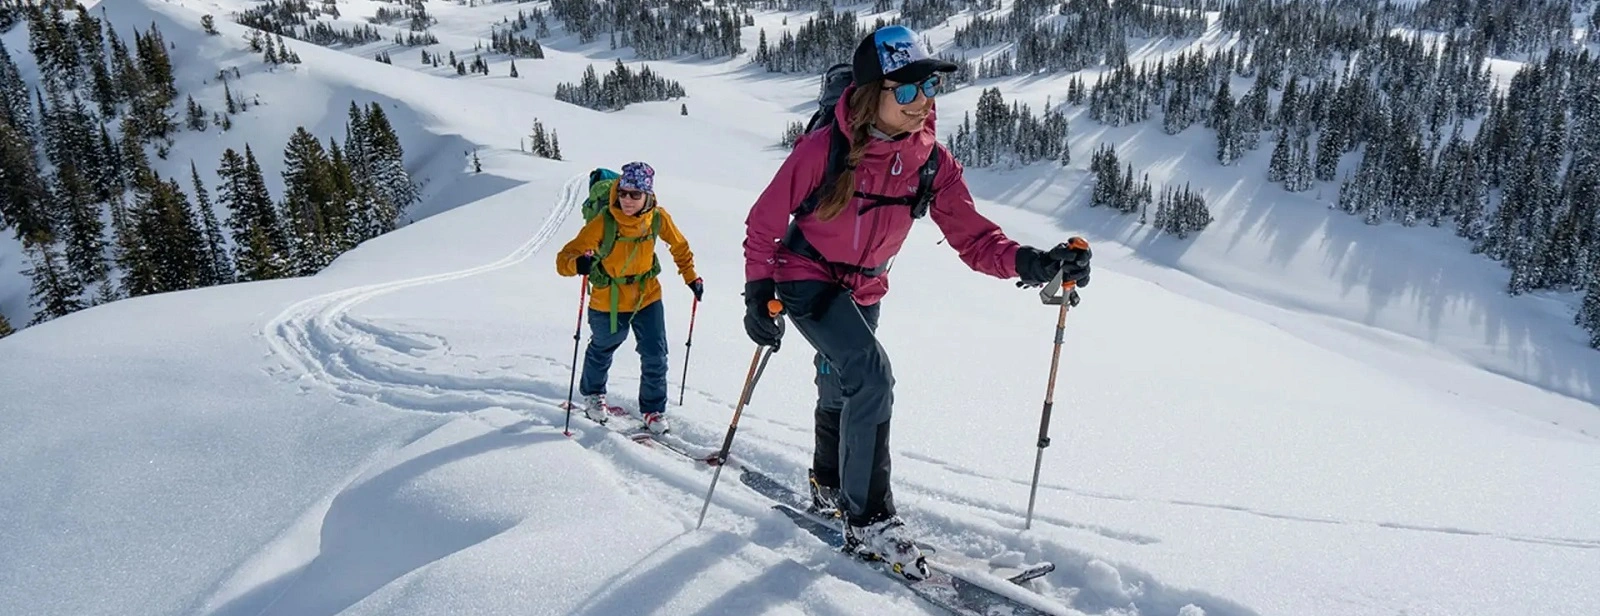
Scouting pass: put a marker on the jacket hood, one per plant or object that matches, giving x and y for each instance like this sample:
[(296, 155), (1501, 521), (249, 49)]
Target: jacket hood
[(914, 146)]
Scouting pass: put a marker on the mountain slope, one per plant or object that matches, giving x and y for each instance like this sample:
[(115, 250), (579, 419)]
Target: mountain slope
[(384, 437)]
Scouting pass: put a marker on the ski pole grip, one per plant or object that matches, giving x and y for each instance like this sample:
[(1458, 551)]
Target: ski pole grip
[(1078, 243), (774, 307)]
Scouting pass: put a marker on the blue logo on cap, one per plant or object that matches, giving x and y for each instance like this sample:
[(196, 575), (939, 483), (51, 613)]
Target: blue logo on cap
[(897, 46)]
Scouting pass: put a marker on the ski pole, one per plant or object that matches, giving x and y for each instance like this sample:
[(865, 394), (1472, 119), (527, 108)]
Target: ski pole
[(1054, 293), (693, 308), (583, 295), (721, 457)]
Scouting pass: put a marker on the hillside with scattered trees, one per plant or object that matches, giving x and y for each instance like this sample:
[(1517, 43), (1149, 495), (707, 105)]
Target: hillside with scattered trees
[(97, 223)]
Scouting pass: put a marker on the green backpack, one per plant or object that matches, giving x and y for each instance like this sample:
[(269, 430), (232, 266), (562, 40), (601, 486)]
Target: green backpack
[(598, 203), (600, 182)]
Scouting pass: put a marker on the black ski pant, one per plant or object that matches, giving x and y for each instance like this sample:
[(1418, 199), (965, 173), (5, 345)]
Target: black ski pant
[(855, 394)]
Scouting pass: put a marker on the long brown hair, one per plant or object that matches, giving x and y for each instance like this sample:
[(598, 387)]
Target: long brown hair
[(863, 106)]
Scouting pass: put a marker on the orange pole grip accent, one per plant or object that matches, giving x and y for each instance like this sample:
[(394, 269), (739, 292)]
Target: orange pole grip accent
[(1078, 243), (774, 307)]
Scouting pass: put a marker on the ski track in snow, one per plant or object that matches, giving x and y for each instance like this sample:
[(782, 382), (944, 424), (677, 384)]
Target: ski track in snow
[(323, 344)]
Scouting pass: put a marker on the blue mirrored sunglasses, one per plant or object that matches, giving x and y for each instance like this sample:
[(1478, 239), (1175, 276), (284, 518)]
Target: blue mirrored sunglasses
[(907, 92)]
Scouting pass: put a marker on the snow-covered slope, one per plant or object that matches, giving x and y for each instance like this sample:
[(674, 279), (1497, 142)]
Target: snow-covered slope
[(384, 437)]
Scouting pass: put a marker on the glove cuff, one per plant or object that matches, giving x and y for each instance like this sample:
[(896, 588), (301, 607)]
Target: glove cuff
[(1030, 265), (759, 291)]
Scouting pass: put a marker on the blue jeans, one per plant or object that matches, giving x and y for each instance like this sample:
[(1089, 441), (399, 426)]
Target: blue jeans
[(650, 339)]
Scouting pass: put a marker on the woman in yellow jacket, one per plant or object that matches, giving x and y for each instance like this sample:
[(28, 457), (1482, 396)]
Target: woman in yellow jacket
[(616, 250)]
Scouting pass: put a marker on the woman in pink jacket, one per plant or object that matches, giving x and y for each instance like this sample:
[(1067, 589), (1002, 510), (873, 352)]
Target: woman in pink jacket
[(829, 268)]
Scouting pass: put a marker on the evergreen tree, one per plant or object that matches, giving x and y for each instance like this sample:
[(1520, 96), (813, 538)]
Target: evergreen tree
[(1282, 159), (1299, 176), (125, 73), (308, 193), (55, 48), (24, 198), (139, 230), (181, 254), (261, 206), (83, 229), (252, 222), (219, 269), (393, 187), (15, 107), (156, 90), (346, 199), (5, 327), (55, 292), (91, 40), (196, 120), (619, 88)]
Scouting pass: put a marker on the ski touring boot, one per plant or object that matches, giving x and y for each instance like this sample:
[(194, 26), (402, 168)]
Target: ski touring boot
[(890, 542), (656, 423), (594, 407), (824, 499)]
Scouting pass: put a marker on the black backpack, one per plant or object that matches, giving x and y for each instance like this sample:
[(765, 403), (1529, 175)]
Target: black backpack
[(834, 81)]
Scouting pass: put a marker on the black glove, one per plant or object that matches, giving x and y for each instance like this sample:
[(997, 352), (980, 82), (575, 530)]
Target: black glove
[(699, 288), (759, 324), (584, 262), (1071, 258)]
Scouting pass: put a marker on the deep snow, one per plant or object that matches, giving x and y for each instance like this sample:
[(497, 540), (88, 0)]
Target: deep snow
[(1284, 415)]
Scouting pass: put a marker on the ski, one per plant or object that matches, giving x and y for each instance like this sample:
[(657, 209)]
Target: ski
[(959, 584), (942, 588), (801, 504)]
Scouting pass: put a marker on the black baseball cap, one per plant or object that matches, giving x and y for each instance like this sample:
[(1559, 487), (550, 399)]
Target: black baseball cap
[(893, 52)]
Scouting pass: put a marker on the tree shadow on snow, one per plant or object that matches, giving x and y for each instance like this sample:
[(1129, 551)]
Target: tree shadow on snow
[(1450, 292), (373, 534)]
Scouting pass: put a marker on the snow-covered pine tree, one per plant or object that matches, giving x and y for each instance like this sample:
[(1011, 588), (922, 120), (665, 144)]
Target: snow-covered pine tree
[(159, 92), (92, 45), (253, 250), (307, 191), (55, 292), (346, 199), (54, 47), (16, 108), (24, 198), (393, 185), (261, 206), (196, 115), (219, 268), (180, 255), (82, 230), (1299, 178), (1282, 159)]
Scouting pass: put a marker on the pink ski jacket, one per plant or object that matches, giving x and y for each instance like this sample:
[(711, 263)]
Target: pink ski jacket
[(868, 239)]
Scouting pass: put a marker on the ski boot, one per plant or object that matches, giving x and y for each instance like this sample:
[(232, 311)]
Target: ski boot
[(824, 500), (594, 407), (656, 423), (887, 541)]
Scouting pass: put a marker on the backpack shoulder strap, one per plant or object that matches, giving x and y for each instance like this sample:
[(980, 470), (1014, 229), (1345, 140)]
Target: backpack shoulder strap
[(925, 177), (838, 157), (608, 234)]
